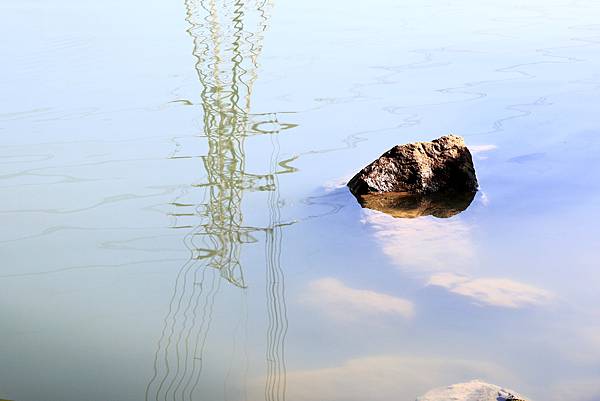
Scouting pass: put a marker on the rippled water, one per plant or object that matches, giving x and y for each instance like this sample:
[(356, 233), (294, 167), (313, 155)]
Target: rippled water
[(175, 225)]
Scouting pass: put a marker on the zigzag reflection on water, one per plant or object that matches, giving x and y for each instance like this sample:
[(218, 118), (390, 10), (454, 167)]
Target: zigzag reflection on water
[(275, 386), (226, 51)]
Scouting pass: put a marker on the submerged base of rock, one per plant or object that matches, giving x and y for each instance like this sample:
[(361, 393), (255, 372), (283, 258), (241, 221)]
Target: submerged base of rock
[(474, 390), (403, 205)]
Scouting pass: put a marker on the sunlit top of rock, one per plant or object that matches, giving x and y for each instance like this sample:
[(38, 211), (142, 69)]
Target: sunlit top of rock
[(444, 164)]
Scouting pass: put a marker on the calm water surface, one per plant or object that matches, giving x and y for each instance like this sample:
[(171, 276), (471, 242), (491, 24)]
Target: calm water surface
[(174, 224)]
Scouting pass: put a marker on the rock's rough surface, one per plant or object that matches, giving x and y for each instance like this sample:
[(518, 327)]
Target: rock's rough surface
[(474, 390), (444, 164)]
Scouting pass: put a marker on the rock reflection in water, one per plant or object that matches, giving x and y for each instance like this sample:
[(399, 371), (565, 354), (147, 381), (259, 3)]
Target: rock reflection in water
[(408, 206)]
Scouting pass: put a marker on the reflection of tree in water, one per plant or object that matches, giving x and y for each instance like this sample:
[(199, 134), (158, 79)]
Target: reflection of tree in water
[(227, 41)]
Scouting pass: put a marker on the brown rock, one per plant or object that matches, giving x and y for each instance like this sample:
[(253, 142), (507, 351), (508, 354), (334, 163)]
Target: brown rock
[(475, 390), (442, 165)]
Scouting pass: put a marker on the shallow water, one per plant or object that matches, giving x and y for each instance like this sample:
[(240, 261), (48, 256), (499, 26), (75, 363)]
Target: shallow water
[(175, 225)]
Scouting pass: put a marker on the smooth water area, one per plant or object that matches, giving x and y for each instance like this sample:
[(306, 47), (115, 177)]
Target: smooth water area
[(174, 221)]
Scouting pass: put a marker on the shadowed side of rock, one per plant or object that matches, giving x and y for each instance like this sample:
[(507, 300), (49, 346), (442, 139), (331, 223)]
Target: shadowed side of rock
[(442, 165)]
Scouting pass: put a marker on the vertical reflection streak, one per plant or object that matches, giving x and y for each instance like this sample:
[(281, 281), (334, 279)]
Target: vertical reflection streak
[(226, 53), (275, 386)]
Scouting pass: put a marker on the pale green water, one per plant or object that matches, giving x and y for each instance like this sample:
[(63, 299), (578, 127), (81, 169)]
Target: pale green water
[(174, 225)]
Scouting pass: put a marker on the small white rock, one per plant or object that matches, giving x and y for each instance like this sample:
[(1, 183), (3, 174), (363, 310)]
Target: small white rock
[(474, 390)]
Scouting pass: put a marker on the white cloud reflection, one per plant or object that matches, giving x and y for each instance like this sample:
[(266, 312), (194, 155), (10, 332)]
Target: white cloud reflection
[(383, 378), (344, 303), (477, 149), (492, 291), (424, 244), (442, 254)]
